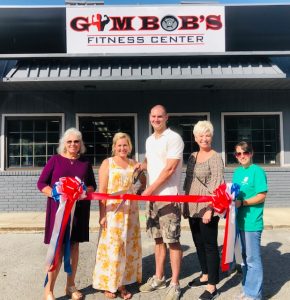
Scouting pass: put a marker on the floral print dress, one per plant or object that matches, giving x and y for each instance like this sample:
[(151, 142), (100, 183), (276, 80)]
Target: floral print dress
[(119, 256)]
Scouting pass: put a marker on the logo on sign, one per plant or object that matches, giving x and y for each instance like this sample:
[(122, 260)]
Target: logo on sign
[(83, 24), (168, 23)]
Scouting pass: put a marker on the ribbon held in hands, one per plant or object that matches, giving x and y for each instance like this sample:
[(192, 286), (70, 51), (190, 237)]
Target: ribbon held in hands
[(72, 189), (220, 200), (223, 196)]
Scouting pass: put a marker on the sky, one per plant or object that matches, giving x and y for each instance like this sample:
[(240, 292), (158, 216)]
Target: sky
[(132, 2)]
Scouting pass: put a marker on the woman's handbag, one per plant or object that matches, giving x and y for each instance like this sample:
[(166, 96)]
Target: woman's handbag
[(189, 174)]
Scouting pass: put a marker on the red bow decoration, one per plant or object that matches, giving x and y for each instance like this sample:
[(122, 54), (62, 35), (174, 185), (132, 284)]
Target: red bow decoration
[(221, 199), (72, 188)]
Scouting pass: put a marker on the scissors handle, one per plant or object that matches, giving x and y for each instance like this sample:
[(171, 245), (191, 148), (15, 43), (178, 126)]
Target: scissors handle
[(136, 175)]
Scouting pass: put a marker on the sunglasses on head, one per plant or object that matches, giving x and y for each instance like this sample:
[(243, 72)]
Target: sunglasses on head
[(73, 142), (245, 153)]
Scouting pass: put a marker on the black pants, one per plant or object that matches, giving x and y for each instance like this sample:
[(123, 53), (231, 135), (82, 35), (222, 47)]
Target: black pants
[(205, 240)]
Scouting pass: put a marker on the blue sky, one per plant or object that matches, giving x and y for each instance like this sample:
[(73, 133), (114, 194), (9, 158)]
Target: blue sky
[(114, 2)]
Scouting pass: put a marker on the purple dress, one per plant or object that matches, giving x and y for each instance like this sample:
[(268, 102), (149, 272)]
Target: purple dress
[(59, 166)]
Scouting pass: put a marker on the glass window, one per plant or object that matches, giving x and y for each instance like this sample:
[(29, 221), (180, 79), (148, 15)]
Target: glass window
[(31, 141), (183, 124), (98, 133), (262, 131)]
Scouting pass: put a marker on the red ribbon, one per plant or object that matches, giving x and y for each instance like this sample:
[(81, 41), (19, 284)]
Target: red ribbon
[(225, 266), (72, 190), (151, 198), (220, 200)]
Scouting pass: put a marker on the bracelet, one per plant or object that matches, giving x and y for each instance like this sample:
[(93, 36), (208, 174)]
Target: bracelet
[(242, 203)]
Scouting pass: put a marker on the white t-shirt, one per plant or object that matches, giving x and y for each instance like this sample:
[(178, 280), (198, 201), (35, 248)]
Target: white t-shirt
[(169, 145)]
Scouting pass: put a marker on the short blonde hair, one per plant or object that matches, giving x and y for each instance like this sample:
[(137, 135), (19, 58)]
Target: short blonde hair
[(62, 149), (118, 136), (202, 127)]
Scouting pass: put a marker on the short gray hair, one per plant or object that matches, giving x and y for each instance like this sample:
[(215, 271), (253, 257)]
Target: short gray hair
[(202, 127), (62, 141)]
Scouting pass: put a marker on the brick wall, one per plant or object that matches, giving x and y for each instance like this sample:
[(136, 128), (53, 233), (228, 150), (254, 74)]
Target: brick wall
[(19, 192)]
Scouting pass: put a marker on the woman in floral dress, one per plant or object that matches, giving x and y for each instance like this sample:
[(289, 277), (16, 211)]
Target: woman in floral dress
[(119, 257)]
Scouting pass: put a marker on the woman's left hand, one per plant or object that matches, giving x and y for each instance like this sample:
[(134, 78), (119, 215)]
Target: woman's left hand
[(206, 218), (103, 222)]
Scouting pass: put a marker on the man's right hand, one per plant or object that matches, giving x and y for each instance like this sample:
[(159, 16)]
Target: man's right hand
[(148, 191)]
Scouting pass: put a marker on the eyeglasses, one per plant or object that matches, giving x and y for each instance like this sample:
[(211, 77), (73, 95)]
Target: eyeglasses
[(73, 142), (245, 153)]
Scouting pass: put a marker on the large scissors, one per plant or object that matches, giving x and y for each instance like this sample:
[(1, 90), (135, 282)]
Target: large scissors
[(135, 177)]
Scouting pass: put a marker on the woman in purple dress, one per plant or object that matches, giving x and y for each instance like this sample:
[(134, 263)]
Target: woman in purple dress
[(69, 162)]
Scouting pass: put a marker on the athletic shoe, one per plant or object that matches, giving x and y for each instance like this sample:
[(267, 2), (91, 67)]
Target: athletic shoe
[(173, 292), (153, 284)]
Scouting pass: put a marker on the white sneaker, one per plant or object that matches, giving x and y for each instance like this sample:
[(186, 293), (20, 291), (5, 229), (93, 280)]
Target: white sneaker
[(173, 292), (153, 284)]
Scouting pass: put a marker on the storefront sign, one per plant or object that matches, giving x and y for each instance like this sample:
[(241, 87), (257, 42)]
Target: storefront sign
[(144, 29)]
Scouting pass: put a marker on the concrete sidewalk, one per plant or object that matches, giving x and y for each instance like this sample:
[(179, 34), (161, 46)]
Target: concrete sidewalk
[(274, 218)]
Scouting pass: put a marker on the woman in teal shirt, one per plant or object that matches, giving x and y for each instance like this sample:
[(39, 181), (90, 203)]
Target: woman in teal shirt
[(253, 182)]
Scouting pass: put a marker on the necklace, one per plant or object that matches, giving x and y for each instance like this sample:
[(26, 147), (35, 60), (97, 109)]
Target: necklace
[(73, 160)]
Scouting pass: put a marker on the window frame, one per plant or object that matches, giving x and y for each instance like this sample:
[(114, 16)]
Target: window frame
[(23, 116), (280, 114), (134, 115)]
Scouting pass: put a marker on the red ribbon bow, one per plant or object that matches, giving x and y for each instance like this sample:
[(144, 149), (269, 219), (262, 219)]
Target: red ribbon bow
[(221, 199)]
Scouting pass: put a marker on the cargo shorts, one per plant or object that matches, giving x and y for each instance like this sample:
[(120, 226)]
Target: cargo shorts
[(165, 224)]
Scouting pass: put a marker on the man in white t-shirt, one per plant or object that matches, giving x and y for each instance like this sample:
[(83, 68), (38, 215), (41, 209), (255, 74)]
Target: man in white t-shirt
[(164, 151)]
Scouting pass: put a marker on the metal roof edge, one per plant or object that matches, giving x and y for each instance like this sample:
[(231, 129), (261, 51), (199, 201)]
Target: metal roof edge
[(5, 67), (145, 69), (162, 54)]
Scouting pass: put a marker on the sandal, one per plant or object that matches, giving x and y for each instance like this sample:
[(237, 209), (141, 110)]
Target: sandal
[(72, 292), (124, 293), (110, 295)]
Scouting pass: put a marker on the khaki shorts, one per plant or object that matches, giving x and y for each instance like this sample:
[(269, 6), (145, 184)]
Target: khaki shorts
[(166, 224)]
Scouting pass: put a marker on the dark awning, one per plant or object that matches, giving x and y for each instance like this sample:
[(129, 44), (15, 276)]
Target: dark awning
[(144, 72)]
